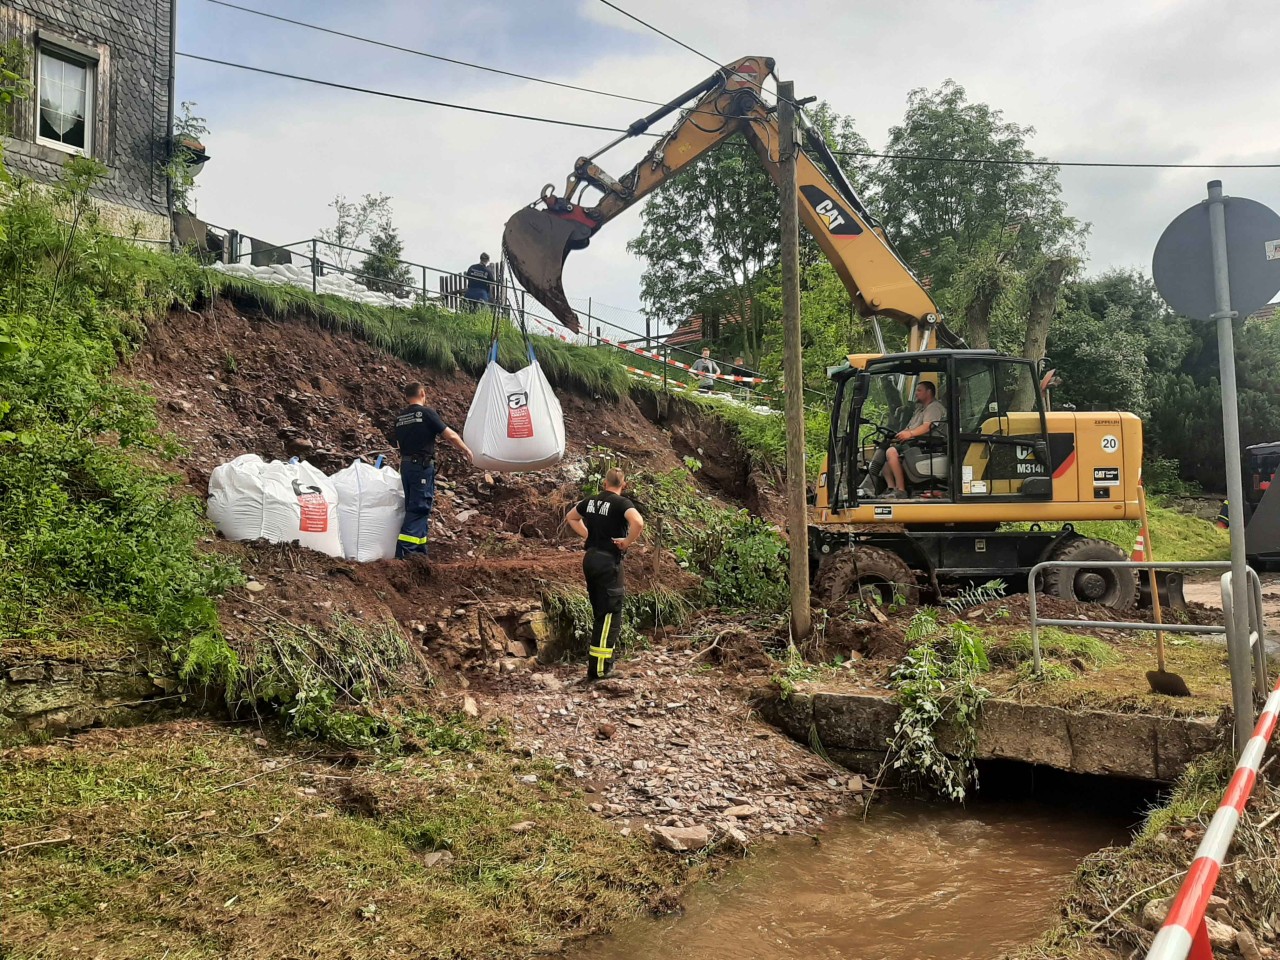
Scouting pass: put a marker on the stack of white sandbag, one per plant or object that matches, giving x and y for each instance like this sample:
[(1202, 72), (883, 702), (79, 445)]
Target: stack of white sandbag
[(250, 499), (370, 510), (299, 275), (515, 422), (355, 514)]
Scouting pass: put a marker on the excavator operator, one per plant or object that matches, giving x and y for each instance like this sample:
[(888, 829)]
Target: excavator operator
[(889, 456)]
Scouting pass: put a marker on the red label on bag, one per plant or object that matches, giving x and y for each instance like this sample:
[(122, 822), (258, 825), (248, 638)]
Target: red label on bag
[(314, 517), (519, 422)]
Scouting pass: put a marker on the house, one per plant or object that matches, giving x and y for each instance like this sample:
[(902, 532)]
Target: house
[(697, 327), (102, 86)]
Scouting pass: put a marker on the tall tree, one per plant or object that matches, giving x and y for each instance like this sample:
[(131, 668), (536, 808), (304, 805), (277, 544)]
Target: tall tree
[(988, 234), (382, 268), (708, 237)]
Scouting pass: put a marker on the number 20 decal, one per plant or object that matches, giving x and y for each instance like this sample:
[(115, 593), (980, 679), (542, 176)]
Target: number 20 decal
[(1110, 444)]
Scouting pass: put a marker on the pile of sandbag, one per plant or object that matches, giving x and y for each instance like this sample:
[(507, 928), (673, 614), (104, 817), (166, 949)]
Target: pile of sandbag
[(295, 275), (355, 514), (515, 422)]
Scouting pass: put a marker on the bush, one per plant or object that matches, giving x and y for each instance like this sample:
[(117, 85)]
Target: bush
[(744, 562), (88, 522)]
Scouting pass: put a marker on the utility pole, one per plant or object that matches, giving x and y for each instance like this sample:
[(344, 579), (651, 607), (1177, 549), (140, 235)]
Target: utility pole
[(792, 371)]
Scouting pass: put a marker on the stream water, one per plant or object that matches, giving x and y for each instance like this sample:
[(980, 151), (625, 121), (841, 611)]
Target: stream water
[(912, 882)]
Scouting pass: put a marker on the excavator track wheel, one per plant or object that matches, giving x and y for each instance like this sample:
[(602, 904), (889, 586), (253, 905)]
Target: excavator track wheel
[(869, 574), (1113, 588)]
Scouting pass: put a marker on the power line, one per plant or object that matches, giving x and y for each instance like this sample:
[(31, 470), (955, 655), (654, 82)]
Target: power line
[(432, 56), (1027, 163), (650, 26), (1058, 163), (403, 96)]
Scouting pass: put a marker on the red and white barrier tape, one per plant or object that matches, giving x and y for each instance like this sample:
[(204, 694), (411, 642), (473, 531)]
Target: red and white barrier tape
[(1184, 934), (651, 354)]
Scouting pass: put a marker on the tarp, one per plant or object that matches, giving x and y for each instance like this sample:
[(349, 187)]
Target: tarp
[(251, 499), (370, 510), (515, 422)]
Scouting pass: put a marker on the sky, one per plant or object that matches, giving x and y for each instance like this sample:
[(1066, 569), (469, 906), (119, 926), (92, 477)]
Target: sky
[(1171, 81)]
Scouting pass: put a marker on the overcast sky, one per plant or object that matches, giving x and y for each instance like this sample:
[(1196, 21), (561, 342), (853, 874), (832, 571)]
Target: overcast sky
[(1177, 81)]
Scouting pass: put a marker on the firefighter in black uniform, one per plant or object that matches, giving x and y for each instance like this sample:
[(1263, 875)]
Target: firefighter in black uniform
[(609, 523), (417, 427)]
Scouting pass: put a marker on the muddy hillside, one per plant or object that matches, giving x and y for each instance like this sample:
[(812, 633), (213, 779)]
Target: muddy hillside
[(229, 382)]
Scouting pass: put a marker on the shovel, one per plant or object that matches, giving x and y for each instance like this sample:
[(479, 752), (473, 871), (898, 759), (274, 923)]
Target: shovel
[(1160, 679)]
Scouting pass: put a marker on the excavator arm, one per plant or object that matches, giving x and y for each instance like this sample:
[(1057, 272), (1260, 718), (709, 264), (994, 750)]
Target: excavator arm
[(539, 238)]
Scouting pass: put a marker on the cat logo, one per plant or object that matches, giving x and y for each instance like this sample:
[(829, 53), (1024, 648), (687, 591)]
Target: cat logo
[(839, 221), (1027, 462)]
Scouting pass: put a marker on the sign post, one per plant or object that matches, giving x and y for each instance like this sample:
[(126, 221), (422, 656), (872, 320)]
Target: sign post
[(1216, 256)]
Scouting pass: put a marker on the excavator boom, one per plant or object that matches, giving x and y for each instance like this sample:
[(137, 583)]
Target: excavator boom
[(538, 238)]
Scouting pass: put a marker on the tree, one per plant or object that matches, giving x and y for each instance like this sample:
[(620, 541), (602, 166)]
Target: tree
[(188, 131), (708, 236), (353, 221), (994, 237), (382, 268)]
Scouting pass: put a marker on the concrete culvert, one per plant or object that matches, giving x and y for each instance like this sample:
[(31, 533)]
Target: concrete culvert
[(1114, 588)]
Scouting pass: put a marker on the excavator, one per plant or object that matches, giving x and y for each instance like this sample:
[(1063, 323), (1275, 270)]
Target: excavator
[(1000, 456)]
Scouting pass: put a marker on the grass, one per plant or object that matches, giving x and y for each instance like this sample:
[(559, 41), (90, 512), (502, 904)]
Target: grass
[(765, 434), (190, 841), (1176, 536), (431, 336), (1152, 867), (1056, 644)]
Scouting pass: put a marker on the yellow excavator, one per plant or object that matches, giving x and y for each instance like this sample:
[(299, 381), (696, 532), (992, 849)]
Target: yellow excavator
[(994, 454)]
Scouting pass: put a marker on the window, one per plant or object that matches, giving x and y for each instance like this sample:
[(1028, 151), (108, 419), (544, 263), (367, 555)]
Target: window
[(65, 89)]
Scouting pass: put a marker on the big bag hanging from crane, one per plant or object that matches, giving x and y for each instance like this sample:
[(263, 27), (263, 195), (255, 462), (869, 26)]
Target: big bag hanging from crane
[(515, 422)]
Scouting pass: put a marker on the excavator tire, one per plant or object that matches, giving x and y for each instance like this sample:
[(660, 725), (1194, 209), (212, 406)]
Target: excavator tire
[(1117, 588), (869, 573)]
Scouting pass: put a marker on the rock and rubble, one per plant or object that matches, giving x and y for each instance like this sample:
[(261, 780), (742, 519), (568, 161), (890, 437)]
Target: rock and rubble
[(660, 746)]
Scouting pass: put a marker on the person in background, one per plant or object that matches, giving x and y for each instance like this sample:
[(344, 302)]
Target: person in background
[(705, 365), (480, 283), (740, 370)]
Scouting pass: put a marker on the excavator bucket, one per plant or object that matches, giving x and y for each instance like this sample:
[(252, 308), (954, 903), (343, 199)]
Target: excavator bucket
[(536, 244)]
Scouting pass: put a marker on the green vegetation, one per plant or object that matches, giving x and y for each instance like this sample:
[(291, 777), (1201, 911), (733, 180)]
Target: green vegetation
[(570, 613), (192, 842), (431, 336), (1055, 644), (1177, 536), (936, 684), (92, 535), (329, 684), (741, 559), (765, 434)]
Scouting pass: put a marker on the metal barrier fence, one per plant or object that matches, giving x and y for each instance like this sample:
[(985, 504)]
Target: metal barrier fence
[(1184, 933), (447, 288), (1256, 633)]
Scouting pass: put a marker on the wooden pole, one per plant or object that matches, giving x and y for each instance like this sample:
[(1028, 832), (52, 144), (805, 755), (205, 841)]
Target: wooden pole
[(793, 397)]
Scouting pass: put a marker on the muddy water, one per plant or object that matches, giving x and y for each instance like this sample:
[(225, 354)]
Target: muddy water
[(910, 883)]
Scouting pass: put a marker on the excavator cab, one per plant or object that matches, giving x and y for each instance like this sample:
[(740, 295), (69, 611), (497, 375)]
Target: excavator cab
[(987, 441)]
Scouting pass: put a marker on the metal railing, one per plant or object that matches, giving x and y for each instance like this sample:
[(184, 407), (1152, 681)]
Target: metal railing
[(1256, 632), (656, 359)]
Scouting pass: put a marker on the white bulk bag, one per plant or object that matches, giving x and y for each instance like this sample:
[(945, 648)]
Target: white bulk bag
[(281, 502), (515, 422), (370, 510)]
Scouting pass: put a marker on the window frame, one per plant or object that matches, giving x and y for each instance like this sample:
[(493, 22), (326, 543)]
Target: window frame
[(90, 63)]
